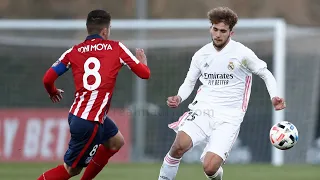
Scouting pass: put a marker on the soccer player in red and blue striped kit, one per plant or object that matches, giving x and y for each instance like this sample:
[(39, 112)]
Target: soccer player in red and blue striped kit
[(95, 64)]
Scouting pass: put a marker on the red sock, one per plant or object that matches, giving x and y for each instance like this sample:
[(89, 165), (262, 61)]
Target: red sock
[(56, 173), (98, 162)]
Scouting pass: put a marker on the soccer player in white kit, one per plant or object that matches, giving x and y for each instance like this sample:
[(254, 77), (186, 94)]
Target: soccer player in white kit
[(225, 69)]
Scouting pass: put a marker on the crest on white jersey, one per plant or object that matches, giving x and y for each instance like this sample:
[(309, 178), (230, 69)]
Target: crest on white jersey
[(231, 66)]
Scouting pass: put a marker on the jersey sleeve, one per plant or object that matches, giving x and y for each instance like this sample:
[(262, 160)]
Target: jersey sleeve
[(63, 63), (252, 62), (259, 67), (57, 69), (190, 80), (128, 59)]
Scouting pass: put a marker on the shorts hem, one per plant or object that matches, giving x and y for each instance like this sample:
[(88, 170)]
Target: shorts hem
[(189, 134), (223, 158)]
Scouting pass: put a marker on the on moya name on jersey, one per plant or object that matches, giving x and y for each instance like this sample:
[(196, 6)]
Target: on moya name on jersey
[(218, 79), (95, 47)]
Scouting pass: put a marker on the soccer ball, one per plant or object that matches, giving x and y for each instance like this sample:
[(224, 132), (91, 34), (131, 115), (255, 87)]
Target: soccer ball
[(284, 135)]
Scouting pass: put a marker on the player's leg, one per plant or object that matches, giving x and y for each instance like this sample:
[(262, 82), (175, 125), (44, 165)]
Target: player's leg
[(59, 172), (85, 136), (188, 136), (217, 149), (212, 166), (171, 162), (112, 140)]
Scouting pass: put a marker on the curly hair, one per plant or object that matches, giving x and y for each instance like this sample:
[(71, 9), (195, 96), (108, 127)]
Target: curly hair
[(223, 14)]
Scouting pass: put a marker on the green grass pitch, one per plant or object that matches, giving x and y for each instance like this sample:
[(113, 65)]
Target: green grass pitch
[(30, 171)]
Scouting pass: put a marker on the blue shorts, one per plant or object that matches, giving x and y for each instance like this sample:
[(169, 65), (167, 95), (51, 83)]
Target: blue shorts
[(86, 136)]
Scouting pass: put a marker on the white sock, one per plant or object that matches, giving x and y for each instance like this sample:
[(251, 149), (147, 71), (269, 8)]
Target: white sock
[(217, 176), (169, 168)]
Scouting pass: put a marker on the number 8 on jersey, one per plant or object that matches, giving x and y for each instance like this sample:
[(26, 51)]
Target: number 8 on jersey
[(91, 72)]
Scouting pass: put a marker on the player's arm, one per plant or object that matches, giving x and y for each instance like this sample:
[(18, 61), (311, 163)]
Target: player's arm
[(138, 64), (190, 80), (57, 69), (187, 86), (259, 67)]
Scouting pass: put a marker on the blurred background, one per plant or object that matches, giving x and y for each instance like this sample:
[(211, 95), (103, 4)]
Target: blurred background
[(33, 130)]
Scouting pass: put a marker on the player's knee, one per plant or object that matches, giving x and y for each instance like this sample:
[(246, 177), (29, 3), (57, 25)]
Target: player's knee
[(210, 169), (116, 142), (212, 163), (73, 171), (119, 143), (177, 150), (181, 145)]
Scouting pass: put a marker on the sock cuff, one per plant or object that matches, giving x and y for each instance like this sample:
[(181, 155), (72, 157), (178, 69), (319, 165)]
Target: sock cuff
[(103, 155), (111, 151), (107, 150), (61, 169), (171, 160), (218, 172), (168, 154), (215, 175)]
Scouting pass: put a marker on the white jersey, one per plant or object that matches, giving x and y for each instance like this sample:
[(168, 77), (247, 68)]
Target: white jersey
[(226, 77)]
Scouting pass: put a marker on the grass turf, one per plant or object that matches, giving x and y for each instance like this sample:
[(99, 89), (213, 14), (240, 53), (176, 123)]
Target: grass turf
[(30, 171)]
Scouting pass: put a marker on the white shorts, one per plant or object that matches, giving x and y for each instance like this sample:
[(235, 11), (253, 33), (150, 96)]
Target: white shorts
[(218, 132)]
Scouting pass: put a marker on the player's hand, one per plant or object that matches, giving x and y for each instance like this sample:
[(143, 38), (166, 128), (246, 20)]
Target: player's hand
[(57, 96), (278, 103), (173, 101), (141, 56)]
